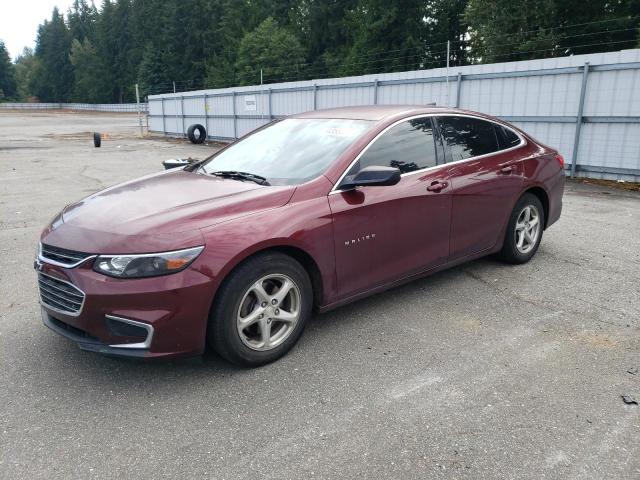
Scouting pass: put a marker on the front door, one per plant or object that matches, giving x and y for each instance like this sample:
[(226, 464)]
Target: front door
[(382, 234)]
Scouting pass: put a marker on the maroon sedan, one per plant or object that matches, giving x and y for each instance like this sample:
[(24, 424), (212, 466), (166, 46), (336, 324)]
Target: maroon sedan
[(310, 212)]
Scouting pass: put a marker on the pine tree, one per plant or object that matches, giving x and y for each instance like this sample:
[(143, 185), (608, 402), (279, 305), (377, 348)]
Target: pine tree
[(25, 65), (53, 76), (8, 86), (85, 63), (152, 73), (81, 18), (388, 36), (271, 48), (446, 22), (221, 43)]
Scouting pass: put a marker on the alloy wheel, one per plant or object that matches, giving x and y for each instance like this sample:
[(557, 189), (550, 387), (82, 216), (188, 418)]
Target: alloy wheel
[(268, 312), (527, 229)]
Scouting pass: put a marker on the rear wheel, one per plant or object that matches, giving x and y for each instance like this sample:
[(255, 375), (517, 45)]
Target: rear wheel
[(261, 310), (524, 231)]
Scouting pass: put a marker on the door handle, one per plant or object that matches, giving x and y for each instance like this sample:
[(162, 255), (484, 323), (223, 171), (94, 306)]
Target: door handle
[(437, 186), (507, 169)]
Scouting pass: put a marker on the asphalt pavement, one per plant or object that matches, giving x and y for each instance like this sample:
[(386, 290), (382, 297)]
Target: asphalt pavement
[(485, 371)]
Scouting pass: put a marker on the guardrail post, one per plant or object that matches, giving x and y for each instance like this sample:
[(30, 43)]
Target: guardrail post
[(458, 88), (235, 117), (576, 139), (375, 91)]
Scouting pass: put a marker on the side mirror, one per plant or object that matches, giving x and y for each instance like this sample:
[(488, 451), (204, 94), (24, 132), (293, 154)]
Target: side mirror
[(373, 176)]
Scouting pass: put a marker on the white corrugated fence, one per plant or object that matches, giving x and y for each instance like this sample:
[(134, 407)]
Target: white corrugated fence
[(587, 106)]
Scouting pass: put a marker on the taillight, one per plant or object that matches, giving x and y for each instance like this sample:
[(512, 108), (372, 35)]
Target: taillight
[(560, 159)]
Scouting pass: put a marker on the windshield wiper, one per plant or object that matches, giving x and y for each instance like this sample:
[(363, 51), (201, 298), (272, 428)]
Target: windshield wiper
[(241, 176)]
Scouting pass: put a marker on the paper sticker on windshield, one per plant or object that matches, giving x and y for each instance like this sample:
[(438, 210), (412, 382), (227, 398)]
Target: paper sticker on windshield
[(340, 132)]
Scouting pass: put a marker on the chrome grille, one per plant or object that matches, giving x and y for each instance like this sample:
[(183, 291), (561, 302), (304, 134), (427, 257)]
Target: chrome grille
[(62, 256), (59, 295)]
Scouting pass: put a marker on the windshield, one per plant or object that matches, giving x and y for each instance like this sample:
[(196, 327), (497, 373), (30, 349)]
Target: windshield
[(291, 151)]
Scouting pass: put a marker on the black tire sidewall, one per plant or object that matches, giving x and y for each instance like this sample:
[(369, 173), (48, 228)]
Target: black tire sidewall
[(201, 131), (510, 252), (222, 333)]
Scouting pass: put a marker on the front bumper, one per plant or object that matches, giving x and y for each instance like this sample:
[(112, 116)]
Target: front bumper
[(86, 342), (142, 318)]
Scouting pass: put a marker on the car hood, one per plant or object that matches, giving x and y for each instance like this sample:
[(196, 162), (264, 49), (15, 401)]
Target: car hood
[(159, 210)]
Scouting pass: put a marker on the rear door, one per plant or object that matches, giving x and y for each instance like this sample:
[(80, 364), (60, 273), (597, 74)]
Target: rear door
[(486, 177), (385, 233)]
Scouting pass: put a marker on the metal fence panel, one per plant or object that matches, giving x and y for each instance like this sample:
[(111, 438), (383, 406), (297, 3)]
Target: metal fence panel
[(93, 107), (543, 97)]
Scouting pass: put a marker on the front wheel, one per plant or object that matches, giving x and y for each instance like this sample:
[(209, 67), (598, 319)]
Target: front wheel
[(260, 310), (524, 231)]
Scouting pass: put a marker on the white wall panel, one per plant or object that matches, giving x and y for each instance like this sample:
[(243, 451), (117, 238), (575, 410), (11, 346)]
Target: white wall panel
[(610, 93)]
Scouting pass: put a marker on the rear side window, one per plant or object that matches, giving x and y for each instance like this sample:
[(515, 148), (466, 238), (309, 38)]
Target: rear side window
[(468, 137), (506, 138), (409, 146)]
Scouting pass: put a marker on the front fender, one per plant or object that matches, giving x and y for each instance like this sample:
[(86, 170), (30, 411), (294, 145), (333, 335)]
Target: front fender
[(304, 225)]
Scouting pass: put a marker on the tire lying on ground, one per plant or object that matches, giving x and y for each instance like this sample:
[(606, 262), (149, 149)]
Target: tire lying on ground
[(197, 133), (97, 140)]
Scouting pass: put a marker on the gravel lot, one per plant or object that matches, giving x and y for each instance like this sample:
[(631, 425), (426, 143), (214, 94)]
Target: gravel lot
[(483, 371)]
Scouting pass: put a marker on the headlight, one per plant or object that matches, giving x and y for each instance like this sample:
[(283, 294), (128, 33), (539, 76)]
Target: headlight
[(147, 264)]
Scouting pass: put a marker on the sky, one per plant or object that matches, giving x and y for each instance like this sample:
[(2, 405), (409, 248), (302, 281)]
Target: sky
[(19, 20)]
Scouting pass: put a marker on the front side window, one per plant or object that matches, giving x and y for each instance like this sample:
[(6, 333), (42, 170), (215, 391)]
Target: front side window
[(409, 146), (289, 152), (468, 137)]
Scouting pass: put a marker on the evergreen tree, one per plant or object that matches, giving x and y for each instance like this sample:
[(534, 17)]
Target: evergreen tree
[(152, 74), (446, 21), (221, 43), (25, 65), (388, 36), (8, 86), (504, 31), (271, 48), (85, 63), (81, 18), (325, 32), (52, 78), (111, 44)]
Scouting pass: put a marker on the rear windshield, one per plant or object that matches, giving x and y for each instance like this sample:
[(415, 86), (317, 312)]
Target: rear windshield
[(291, 151)]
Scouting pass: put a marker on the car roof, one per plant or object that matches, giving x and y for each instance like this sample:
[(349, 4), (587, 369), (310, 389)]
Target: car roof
[(375, 112)]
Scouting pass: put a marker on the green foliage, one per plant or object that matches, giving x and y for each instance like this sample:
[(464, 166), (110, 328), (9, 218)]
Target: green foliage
[(271, 48), (98, 54), (8, 86), (85, 61), (52, 79), (81, 19), (381, 27), (152, 71), (25, 65), (506, 31)]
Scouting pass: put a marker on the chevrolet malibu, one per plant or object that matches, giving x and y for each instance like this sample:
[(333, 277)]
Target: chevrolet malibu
[(308, 213)]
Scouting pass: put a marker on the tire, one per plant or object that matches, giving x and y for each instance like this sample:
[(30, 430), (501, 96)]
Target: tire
[(238, 301), (197, 133), (516, 249), (97, 140)]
